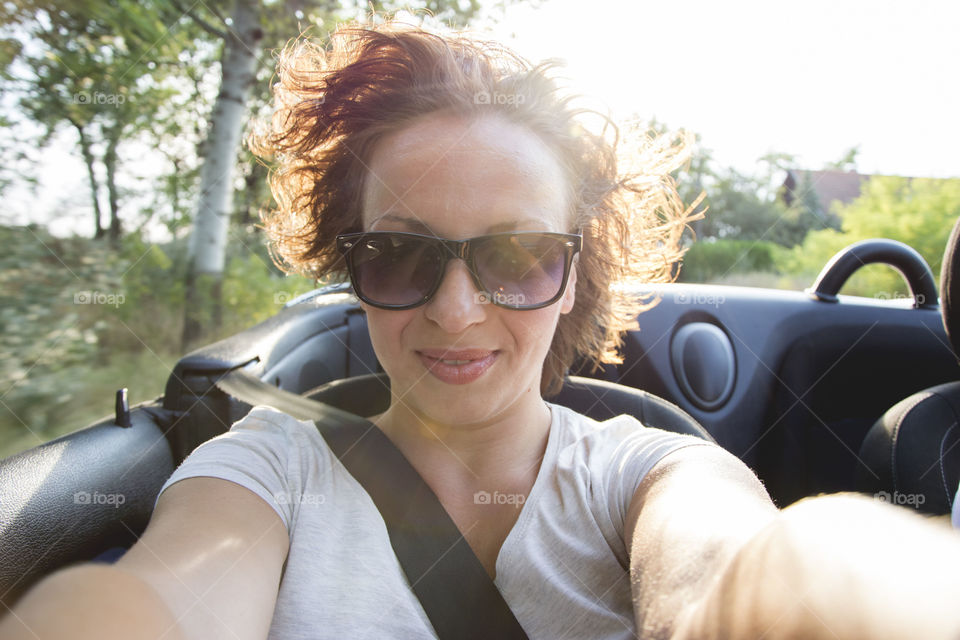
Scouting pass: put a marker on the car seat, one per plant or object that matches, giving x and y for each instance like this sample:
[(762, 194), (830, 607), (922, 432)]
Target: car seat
[(912, 453)]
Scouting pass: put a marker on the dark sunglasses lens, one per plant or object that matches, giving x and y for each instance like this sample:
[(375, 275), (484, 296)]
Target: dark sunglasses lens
[(394, 270), (521, 270)]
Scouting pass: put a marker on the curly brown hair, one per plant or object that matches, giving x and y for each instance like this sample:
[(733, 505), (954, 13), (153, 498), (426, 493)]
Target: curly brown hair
[(334, 104)]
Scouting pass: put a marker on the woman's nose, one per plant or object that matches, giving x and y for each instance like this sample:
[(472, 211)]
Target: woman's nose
[(457, 304)]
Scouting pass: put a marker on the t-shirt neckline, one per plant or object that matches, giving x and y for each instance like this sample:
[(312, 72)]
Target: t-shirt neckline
[(516, 532)]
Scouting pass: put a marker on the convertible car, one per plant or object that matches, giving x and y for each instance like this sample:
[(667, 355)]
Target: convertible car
[(816, 391)]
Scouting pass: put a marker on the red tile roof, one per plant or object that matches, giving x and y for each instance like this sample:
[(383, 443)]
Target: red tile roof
[(829, 186)]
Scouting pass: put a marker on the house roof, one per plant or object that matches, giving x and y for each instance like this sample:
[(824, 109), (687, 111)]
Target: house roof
[(829, 186)]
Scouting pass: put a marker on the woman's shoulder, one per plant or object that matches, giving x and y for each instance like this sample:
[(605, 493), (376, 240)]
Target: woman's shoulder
[(267, 419), (575, 426), (267, 433), (269, 452), (617, 445), (267, 424)]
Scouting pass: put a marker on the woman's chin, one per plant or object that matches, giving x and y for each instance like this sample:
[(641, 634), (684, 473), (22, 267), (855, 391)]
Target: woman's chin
[(456, 405)]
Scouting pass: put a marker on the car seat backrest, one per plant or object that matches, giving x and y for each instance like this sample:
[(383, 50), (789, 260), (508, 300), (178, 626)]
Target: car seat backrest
[(911, 455)]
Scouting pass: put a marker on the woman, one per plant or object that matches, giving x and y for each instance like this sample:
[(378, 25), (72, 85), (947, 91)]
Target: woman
[(483, 231)]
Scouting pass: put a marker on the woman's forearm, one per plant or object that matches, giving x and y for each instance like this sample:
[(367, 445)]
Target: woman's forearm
[(90, 601), (837, 567)]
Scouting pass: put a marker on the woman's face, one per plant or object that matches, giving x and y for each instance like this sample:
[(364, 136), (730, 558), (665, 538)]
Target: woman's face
[(457, 359)]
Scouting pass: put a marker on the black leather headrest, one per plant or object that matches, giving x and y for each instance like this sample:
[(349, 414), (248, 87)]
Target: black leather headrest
[(911, 456), (950, 288)]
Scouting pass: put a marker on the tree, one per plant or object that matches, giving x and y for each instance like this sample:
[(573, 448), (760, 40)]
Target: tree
[(208, 242), (847, 162), (98, 68), (746, 207), (919, 212)]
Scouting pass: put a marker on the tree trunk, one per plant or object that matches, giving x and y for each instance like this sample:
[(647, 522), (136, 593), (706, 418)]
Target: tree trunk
[(89, 160), (110, 162), (208, 242)]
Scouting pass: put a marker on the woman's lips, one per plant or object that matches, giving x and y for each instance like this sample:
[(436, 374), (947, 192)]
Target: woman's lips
[(460, 366)]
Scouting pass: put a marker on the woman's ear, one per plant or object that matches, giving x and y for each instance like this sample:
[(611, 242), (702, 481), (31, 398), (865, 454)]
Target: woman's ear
[(570, 294)]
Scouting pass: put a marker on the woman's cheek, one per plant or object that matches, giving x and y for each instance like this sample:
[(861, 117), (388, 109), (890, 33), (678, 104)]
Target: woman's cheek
[(533, 331), (386, 329)]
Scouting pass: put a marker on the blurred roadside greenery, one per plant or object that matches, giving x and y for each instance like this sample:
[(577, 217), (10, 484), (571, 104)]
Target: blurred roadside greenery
[(79, 320), (708, 260)]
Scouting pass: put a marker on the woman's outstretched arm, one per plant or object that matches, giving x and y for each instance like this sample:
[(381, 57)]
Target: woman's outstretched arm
[(712, 558), (208, 566)]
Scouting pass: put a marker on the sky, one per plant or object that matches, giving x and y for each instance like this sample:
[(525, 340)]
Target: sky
[(811, 79)]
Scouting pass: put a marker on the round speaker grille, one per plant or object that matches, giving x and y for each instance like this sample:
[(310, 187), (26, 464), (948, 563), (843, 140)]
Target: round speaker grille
[(704, 364)]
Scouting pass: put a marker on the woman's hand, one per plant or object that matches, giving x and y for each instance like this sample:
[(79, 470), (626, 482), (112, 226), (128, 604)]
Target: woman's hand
[(712, 558)]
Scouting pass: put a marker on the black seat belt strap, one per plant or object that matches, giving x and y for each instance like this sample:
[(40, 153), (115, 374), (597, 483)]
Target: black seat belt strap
[(457, 594)]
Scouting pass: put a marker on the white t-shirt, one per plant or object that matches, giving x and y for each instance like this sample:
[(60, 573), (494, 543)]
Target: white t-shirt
[(563, 568)]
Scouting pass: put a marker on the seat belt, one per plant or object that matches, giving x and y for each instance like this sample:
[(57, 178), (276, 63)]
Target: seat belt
[(454, 589)]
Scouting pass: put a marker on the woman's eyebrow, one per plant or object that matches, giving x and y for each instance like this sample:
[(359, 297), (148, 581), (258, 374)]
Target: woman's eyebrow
[(413, 224), (416, 225), (514, 225)]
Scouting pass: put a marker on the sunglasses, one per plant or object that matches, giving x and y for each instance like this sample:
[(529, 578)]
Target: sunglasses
[(398, 270)]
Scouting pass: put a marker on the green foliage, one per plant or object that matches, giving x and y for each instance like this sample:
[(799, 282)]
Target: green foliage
[(79, 319), (713, 260), (54, 403), (153, 289), (253, 291), (919, 212), (847, 162), (48, 327)]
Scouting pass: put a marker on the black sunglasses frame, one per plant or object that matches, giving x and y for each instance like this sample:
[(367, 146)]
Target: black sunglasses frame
[(463, 250)]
